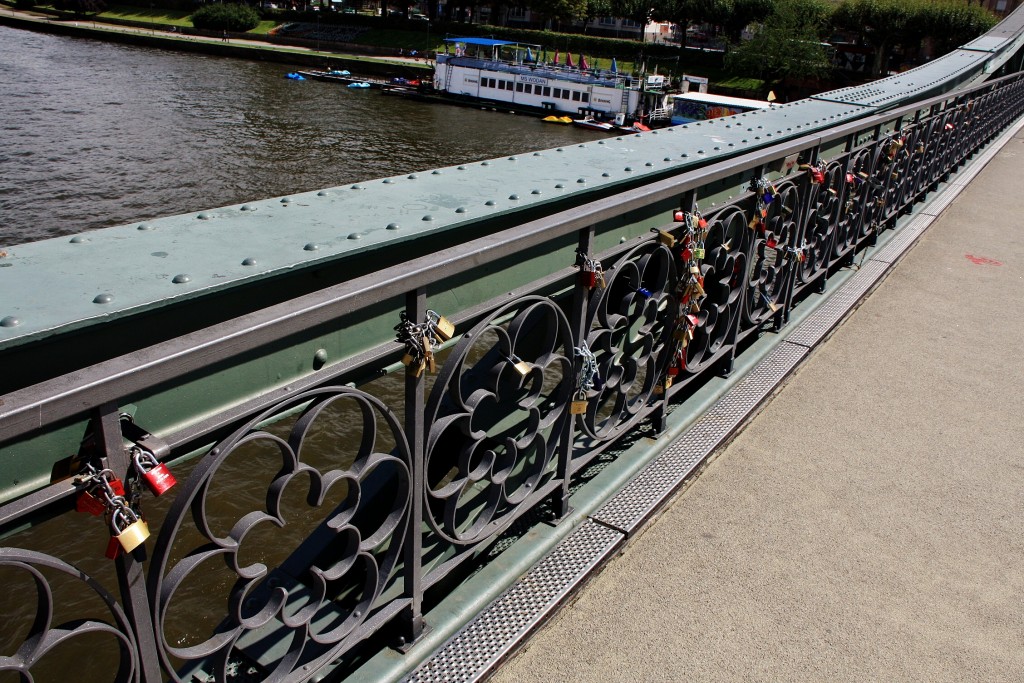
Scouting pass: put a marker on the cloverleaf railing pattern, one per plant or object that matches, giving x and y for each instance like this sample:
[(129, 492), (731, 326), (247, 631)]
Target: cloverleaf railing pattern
[(334, 515)]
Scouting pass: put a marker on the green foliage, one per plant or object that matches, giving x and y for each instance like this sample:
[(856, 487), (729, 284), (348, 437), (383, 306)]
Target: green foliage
[(81, 6), (888, 23), (559, 10), (787, 44), (744, 13), (225, 17)]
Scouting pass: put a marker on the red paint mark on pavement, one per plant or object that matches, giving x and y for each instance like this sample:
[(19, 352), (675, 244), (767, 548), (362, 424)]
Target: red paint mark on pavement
[(982, 260)]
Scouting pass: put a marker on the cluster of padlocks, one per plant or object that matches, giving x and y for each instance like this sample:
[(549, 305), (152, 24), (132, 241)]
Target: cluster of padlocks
[(420, 340), (102, 494)]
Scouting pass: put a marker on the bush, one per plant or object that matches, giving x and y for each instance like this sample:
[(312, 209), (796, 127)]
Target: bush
[(223, 17)]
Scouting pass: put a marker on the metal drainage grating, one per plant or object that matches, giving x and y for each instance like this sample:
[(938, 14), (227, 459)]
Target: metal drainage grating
[(645, 493), (906, 236), (820, 323), (479, 646)]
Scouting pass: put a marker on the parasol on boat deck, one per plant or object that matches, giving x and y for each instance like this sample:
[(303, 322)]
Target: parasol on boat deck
[(529, 55), (556, 58), (583, 63), (615, 67), (568, 60)]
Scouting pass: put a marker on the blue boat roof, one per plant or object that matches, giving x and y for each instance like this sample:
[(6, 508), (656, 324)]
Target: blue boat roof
[(486, 42)]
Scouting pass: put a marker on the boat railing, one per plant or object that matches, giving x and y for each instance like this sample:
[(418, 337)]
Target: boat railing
[(559, 72)]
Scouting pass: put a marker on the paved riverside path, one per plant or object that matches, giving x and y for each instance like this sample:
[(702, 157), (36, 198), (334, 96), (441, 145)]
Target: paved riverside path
[(868, 524)]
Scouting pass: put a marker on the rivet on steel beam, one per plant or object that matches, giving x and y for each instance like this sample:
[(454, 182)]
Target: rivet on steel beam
[(247, 207), (412, 176), (559, 186), (435, 173), (311, 246), (461, 168), (204, 216), (620, 138), (428, 218), (537, 154), (392, 226), (628, 169), (286, 200), (355, 236), (144, 226), (717, 148), (323, 193), (512, 158), (684, 155), (180, 279), (79, 240), (700, 151), (103, 299), (559, 149), (581, 180), (249, 261), (485, 163), (606, 175), (461, 209), (9, 321), (319, 358), (357, 187), (535, 192), (513, 197), (388, 181), (489, 202), (600, 142), (667, 159)]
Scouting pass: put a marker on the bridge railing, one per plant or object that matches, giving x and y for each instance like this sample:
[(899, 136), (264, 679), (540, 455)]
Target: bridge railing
[(310, 525)]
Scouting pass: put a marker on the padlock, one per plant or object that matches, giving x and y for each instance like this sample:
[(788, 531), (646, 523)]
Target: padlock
[(428, 355), (686, 254), (417, 367), (644, 292), (694, 270), (672, 370), (702, 222), (88, 503), (754, 222), (113, 549), (578, 405), (408, 359), (771, 243), (154, 473), (445, 328), (521, 366), (666, 238), (698, 254), (679, 216), (817, 175), (920, 148), (128, 528), (727, 245), (851, 179), (588, 278)]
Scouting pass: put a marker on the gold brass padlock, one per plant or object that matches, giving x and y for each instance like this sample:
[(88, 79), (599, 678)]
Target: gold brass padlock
[(666, 238), (428, 355), (445, 328), (128, 528), (578, 405), (521, 366)]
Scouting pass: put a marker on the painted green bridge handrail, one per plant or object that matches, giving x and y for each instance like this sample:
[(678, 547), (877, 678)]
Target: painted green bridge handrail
[(587, 287)]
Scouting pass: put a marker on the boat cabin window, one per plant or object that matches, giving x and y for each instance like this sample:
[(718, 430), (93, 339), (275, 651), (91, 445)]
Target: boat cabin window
[(558, 92), (519, 87), (586, 97), (575, 95), (565, 94), (547, 91)]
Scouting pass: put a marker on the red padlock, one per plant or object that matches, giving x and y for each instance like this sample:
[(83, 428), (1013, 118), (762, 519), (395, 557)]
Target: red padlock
[(686, 254), (679, 216), (155, 474), (113, 549), (817, 176), (673, 370), (588, 278), (86, 502)]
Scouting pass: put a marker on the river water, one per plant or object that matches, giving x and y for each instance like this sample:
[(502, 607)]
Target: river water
[(94, 134)]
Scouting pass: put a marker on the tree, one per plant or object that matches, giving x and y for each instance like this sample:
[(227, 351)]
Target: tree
[(683, 13), (226, 17), (639, 11), (745, 13), (82, 6), (883, 23), (559, 10), (787, 44)]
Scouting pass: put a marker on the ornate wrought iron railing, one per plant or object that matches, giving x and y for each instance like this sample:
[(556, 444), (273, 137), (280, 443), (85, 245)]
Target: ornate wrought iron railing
[(310, 524)]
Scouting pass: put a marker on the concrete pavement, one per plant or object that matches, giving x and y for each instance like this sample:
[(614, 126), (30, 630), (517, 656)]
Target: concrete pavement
[(868, 524)]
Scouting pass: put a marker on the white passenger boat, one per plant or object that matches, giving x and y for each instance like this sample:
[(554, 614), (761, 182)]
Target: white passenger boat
[(516, 76)]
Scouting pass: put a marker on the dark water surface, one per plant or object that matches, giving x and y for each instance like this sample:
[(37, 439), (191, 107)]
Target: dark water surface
[(94, 134)]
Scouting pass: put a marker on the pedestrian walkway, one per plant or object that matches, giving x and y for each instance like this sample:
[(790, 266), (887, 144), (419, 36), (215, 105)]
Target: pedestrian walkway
[(868, 524)]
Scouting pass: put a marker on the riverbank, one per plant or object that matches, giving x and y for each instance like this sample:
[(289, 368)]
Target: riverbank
[(230, 46)]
